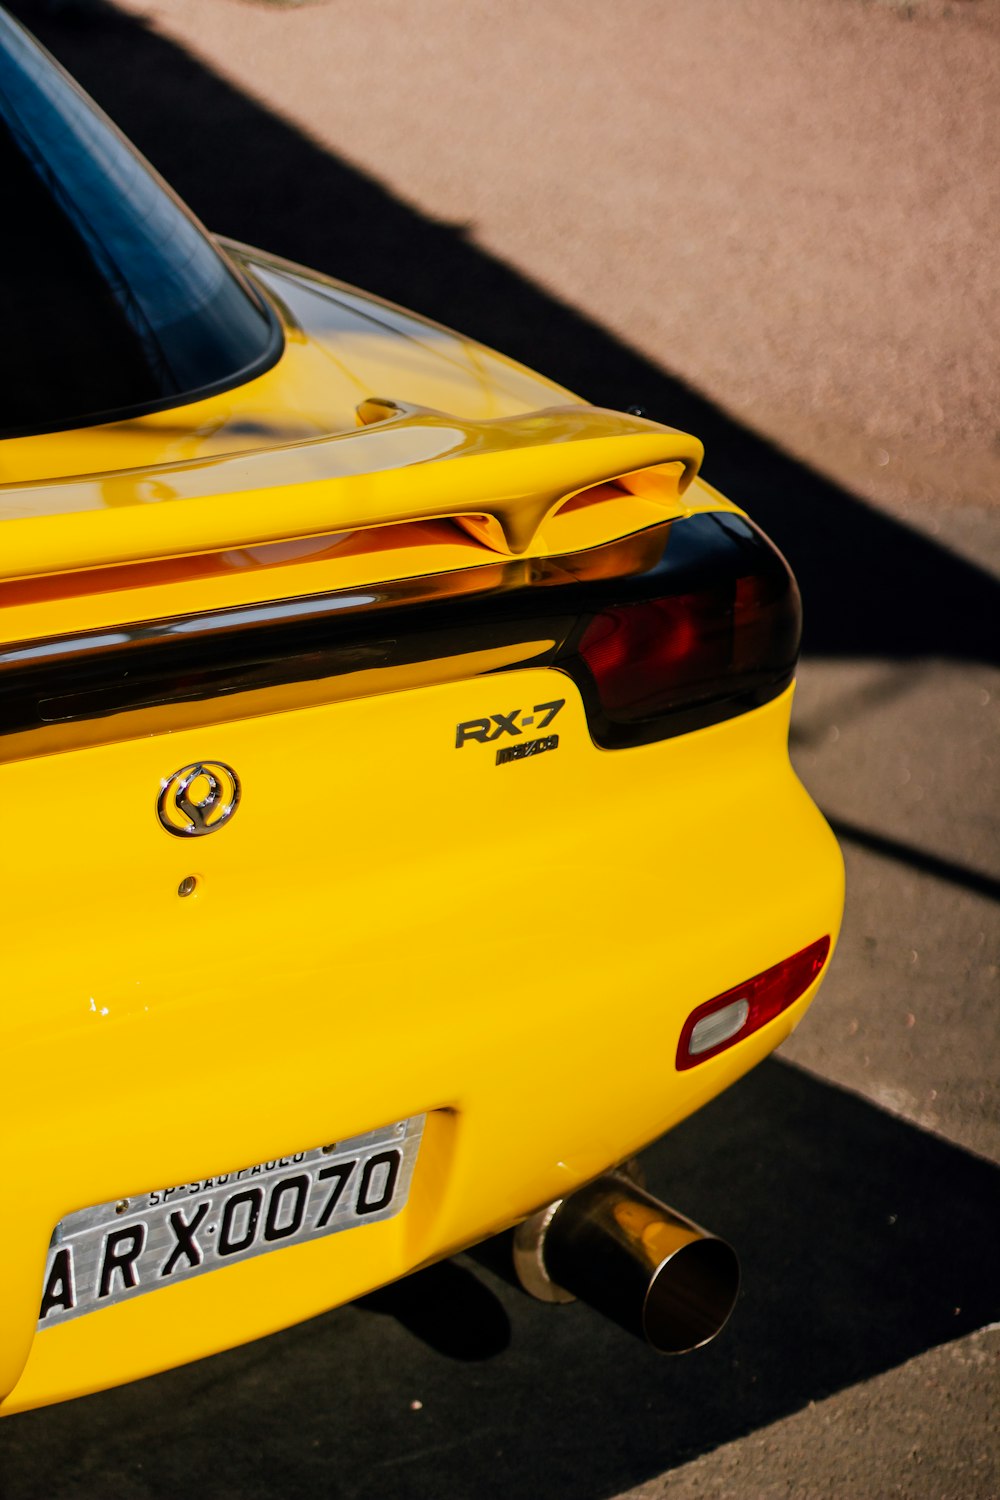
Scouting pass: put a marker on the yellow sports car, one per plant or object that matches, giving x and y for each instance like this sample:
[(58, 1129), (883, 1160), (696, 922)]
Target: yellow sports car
[(383, 730)]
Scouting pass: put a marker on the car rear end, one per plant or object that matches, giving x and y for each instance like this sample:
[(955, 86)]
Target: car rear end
[(503, 835), (397, 818)]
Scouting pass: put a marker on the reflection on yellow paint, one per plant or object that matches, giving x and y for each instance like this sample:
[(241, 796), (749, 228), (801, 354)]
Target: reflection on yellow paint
[(173, 717)]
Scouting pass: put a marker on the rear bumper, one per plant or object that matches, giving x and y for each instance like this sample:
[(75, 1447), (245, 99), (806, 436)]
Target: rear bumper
[(511, 949)]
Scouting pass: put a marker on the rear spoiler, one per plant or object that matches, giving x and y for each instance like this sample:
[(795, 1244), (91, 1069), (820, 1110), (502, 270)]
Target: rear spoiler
[(499, 479)]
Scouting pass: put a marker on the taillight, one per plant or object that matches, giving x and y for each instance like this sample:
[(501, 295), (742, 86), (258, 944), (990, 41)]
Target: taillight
[(722, 638), (647, 657), (727, 1019)]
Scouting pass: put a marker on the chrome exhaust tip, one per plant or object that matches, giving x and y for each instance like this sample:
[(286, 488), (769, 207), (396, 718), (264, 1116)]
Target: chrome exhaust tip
[(631, 1257)]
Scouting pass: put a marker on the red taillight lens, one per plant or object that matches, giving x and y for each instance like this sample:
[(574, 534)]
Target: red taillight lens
[(727, 1019), (647, 657), (721, 636)]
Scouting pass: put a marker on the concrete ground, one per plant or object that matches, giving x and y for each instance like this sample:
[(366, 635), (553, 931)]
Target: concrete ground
[(772, 222)]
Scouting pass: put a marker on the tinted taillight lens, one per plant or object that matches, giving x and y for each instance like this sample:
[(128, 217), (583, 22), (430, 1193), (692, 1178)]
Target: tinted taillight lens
[(729, 1017), (723, 637)]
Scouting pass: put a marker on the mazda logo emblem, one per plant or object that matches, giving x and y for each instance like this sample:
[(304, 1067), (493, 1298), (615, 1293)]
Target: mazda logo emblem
[(198, 799)]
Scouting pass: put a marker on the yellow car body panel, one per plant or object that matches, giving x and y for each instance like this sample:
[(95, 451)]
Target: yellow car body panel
[(313, 987), (395, 921), (304, 944), (394, 903)]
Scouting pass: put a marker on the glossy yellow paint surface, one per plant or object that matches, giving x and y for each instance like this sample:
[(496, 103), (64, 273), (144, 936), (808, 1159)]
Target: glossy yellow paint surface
[(504, 479), (388, 925), (342, 347), (443, 924)]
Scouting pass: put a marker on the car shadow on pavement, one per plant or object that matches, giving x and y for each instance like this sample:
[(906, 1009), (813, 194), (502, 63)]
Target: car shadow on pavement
[(863, 1243)]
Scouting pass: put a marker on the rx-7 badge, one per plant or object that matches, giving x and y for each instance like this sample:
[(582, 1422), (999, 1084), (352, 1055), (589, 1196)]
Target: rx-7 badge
[(514, 723)]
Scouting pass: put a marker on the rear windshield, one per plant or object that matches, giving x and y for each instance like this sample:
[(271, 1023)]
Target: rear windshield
[(113, 300)]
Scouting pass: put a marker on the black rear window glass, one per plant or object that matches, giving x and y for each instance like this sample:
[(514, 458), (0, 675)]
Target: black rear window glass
[(113, 300)]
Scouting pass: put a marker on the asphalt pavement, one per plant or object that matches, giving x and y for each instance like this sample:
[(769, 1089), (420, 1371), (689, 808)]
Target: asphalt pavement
[(773, 223)]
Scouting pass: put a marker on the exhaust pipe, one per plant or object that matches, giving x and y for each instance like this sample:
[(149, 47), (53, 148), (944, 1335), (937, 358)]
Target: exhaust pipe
[(624, 1252)]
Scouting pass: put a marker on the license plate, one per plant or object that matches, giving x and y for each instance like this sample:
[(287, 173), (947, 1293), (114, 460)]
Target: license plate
[(122, 1249)]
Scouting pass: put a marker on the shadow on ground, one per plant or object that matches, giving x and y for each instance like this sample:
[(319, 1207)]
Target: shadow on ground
[(873, 586), (862, 1243)]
